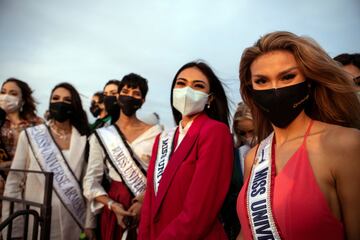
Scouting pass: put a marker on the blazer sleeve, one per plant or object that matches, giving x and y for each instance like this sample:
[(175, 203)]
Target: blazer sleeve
[(208, 188), (145, 218), (94, 174)]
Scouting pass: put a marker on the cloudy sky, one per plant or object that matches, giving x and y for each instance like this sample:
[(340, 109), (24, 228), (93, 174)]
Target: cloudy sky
[(87, 43)]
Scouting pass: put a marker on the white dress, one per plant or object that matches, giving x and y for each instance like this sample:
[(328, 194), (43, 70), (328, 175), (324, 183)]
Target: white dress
[(141, 147), (63, 226)]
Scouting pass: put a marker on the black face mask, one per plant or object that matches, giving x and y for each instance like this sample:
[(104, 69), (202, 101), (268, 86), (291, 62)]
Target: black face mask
[(112, 107), (282, 105), (60, 111), (129, 105), (95, 110)]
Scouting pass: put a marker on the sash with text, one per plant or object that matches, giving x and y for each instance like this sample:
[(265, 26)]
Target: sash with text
[(259, 193), (163, 155), (50, 159), (121, 159)]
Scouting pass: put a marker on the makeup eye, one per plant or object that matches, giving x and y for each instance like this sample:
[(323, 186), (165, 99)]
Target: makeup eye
[(199, 85), (124, 91), (180, 83), (67, 100), (289, 76), (260, 81)]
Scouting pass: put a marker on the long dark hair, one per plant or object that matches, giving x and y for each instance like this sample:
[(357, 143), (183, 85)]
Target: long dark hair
[(28, 110), (78, 118), (219, 109), (333, 98)]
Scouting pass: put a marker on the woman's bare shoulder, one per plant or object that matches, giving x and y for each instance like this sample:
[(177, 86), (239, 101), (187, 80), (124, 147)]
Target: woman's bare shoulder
[(339, 141), (338, 136)]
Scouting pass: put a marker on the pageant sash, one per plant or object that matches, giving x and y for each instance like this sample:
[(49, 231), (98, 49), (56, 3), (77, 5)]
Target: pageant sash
[(163, 155), (121, 159), (259, 194), (51, 159)]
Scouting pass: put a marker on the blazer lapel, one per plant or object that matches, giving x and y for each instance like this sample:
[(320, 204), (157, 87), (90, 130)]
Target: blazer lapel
[(77, 147), (177, 157)]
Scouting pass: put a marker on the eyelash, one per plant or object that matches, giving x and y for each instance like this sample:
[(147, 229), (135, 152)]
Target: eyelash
[(199, 86), (180, 83), (289, 76), (260, 81)]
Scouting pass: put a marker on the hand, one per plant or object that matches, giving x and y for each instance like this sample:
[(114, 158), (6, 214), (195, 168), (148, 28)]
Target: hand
[(120, 213), (90, 233), (135, 209)]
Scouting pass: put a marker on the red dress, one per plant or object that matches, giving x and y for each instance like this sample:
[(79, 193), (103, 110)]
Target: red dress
[(192, 188), (299, 207)]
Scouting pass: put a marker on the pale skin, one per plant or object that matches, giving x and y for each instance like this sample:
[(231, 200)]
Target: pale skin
[(132, 128), (333, 150), (194, 78)]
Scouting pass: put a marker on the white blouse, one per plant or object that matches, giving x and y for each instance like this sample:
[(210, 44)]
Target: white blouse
[(141, 147), (182, 132)]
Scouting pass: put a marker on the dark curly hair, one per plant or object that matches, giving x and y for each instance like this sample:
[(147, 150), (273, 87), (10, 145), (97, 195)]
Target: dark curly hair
[(28, 110)]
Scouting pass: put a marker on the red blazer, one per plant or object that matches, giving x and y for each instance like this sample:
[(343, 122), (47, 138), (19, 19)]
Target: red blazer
[(193, 186)]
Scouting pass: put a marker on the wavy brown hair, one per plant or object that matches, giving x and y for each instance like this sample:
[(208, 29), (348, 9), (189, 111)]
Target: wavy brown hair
[(332, 97)]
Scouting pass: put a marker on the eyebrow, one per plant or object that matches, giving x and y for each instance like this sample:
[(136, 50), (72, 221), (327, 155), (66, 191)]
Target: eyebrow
[(195, 81), (280, 74)]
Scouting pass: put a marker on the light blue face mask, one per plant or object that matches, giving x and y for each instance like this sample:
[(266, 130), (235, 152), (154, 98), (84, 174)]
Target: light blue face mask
[(189, 101)]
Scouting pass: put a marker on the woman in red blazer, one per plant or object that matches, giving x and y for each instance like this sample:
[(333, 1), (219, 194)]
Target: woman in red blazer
[(191, 165)]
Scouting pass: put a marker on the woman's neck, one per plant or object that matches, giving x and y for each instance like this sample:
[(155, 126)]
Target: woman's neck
[(296, 129), (103, 114), (14, 117), (126, 121), (62, 126), (186, 119)]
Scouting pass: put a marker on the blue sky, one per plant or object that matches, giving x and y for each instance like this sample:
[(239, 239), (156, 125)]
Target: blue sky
[(87, 43)]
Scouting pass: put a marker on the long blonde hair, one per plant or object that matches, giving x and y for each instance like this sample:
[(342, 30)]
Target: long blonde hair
[(333, 98)]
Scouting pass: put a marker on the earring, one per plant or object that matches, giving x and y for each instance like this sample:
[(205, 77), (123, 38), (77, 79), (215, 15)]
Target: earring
[(208, 106)]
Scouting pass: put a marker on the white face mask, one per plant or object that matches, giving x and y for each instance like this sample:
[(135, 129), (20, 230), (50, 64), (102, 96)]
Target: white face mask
[(189, 101), (9, 103)]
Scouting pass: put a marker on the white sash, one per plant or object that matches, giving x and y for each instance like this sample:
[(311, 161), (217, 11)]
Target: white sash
[(163, 155), (259, 194), (50, 159), (121, 159)]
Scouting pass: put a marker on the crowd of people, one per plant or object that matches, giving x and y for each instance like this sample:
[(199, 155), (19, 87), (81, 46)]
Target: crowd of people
[(286, 168)]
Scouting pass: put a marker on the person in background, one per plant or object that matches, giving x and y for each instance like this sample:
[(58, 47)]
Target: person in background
[(191, 165), (18, 111), (98, 110), (243, 130), (121, 152), (59, 147), (302, 180), (111, 99), (351, 64)]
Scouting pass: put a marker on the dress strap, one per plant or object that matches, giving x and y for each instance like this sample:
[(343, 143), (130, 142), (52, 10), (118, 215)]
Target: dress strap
[(308, 131)]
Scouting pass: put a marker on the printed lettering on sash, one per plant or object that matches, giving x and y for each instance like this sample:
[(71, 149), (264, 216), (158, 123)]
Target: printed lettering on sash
[(259, 194), (163, 155), (121, 159), (50, 159)]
